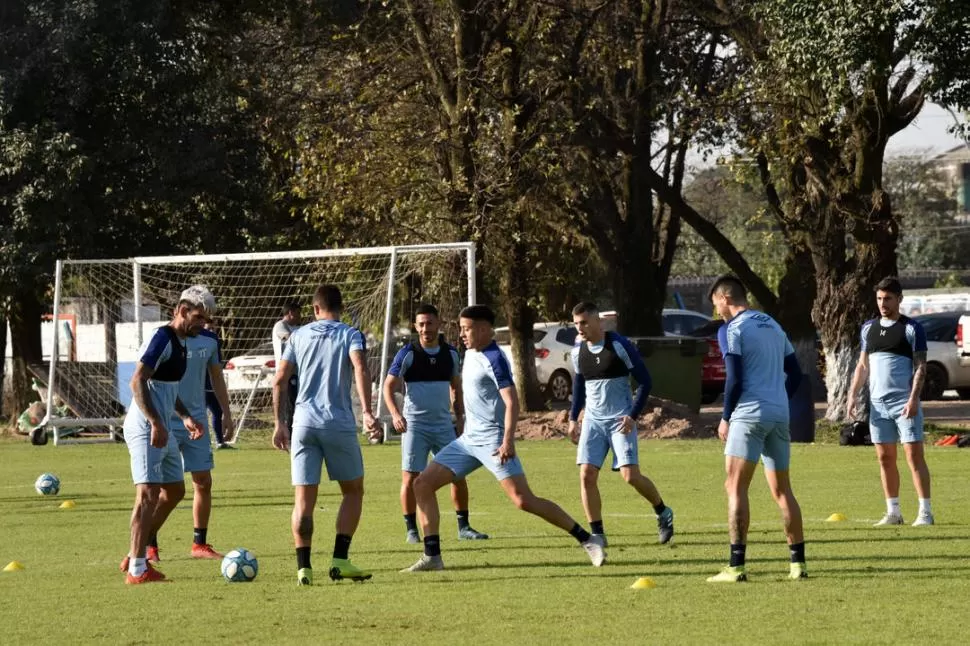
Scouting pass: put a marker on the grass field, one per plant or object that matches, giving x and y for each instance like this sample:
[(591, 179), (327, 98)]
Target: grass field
[(530, 584)]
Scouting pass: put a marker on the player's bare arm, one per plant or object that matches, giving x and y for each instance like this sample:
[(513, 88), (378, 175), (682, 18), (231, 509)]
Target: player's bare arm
[(218, 381), (458, 404), (392, 385), (919, 378), (511, 398), (281, 386), (359, 362), (139, 391), (858, 378)]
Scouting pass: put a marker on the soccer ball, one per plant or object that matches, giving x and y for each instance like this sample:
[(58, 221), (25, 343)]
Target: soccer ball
[(47, 484), (239, 565)]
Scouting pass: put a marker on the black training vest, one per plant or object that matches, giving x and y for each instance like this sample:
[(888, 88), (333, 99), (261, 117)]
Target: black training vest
[(427, 367), (606, 364), (173, 368), (889, 339)]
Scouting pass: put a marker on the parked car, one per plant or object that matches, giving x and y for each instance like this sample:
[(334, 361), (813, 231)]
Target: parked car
[(944, 369), (243, 371), (713, 372), (554, 343)]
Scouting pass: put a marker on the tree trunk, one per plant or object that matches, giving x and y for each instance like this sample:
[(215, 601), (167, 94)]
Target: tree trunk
[(24, 316), (3, 358), (521, 318), (637, 299), (845, 301), (796, 297)]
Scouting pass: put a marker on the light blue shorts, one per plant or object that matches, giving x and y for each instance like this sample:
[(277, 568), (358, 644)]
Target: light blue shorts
[(599, 436), (311, 447), (417, 443), (196, 454), (461, 458), (148, 464), (888, 426), (769, 440)]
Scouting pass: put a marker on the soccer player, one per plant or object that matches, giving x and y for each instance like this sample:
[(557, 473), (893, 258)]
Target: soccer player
[(282, 330), (762, 375), (603, 362), (492, 413), (156, 466), (212, 400), (431, 371), (325, 355), (894, 359), (203, 366)]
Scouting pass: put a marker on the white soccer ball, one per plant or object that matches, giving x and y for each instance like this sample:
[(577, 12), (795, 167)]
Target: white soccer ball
[(47, 484), (239, 565)]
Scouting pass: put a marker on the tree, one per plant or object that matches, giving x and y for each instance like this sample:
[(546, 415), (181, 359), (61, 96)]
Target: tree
[(116, 129)]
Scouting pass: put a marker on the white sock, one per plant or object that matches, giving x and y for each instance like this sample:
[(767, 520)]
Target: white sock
[(892, 506), (137, 567), (924, 506)]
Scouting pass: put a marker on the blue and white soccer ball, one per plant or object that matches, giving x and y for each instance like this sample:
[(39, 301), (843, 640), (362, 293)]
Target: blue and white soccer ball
[(239, 565), (47, 484)]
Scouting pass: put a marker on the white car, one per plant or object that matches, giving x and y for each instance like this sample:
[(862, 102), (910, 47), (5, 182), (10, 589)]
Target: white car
[(554, 343), (245, 371), (944, 369)]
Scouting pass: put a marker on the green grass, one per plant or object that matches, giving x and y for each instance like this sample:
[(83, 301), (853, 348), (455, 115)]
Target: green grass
[(530, 584)]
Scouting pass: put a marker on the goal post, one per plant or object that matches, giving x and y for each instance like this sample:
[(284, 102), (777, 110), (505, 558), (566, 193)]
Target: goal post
[(115, 305)]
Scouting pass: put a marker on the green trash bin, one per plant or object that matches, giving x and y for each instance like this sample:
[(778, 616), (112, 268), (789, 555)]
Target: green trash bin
[(675, 367)]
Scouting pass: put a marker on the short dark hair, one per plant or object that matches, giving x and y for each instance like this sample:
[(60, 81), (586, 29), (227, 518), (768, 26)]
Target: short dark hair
[(586, 307), (327, 297), (425, 308), (890, 284), (478, 313), (729, 285), (292, 306)]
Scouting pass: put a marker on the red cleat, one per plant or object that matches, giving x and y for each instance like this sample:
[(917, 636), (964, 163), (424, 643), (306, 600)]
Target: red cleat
[(124, 564), (151, 575), (204, 552), (152, 555)]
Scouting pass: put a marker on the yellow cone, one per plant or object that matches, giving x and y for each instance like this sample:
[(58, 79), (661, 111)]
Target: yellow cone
[(643, 583), (14, 566), (836, 518), (67, 504)]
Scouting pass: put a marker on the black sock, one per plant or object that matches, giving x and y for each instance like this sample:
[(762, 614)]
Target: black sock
[(659, 508), (737, 554), (462, 519), (411, 522), (302, 557), (797, 551), (596, 526), (153, 541), (579, 533), (341, 546), (432, 545), (198, 535)]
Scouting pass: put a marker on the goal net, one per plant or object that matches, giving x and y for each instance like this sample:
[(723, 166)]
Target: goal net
[(115, 304)]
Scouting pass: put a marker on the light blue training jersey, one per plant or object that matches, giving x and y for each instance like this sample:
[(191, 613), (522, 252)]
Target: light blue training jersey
[(607, 398), (320, 352), (427, 404), (155, 352), (891, 366), (483, 375), (201, 352), (762, 345)]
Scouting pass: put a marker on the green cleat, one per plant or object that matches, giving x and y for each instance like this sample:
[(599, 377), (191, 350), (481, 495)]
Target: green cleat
[(304, 576), (729, 575), (797, 571), (341, 569)]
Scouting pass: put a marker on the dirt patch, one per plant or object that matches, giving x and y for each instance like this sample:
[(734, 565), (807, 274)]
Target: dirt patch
[(662, 419)]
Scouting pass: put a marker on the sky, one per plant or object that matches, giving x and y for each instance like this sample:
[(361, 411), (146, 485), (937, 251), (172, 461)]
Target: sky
[(928, 133)]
